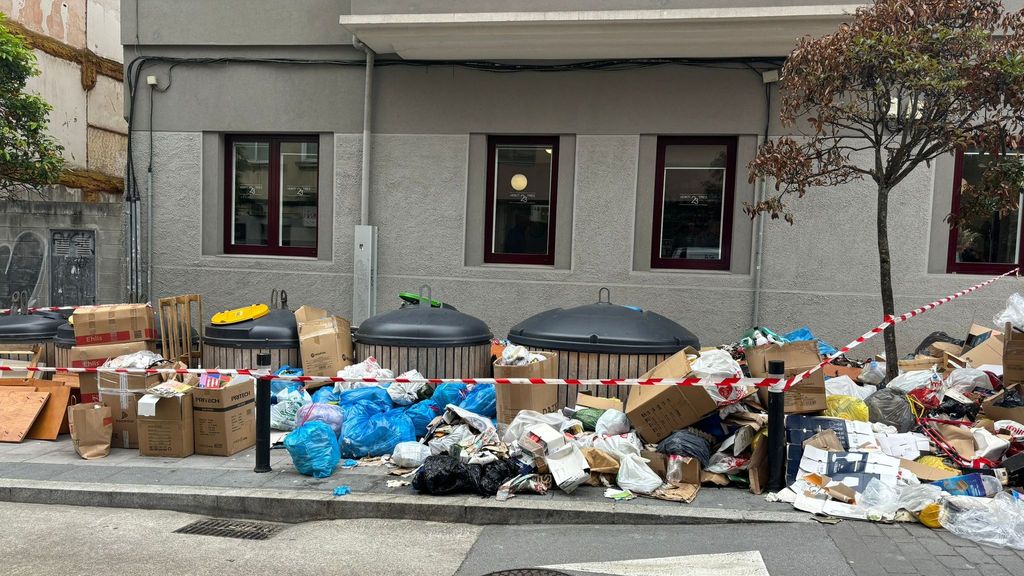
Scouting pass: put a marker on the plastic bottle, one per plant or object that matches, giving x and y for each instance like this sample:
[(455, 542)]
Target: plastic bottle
[(971, 485)]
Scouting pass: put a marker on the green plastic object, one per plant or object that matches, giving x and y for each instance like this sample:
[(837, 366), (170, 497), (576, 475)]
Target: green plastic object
[(589, 418), (412, 298)]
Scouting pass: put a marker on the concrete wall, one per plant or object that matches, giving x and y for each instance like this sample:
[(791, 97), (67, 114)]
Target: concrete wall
[(428, 123), (90, 125)]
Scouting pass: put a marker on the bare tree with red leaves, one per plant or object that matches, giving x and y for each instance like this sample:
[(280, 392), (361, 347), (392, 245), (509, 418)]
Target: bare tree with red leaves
[(902, 83)]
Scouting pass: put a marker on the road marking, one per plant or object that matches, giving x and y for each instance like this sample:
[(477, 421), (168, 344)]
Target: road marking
[(727, 564)]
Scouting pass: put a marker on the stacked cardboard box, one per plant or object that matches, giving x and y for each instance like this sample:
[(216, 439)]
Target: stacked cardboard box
[(105, 332), (224, 419)]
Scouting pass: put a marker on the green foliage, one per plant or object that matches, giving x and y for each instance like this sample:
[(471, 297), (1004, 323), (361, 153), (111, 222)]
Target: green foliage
[(29, 157)]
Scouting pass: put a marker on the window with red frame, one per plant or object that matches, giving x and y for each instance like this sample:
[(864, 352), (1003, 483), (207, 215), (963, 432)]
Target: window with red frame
[(984, 243), (271, 195), (522, 189), (693, 200)]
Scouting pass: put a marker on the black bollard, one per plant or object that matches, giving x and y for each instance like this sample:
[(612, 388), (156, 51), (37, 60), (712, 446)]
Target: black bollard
[(262, 417), (776, 430)]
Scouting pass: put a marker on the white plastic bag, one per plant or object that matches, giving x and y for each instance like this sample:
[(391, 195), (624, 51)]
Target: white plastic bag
[(636, 475), (997, 521), (1014, 312), (910, 380), (715, 363), (289, 400), (612, 423), (407, 393), (444, 444), (409, 454), (965, 380), (368, 368), (845, 386), (873, 373), (528, 418), (988, 445), (619, 446)]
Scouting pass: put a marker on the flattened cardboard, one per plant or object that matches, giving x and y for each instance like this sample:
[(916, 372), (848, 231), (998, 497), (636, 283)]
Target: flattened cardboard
[(511, 398), (18, 411), (657, 411), (224, 420), (587, 401), (757, 471), (926, 473), (95, 356), (168, 432), (938, 349), (983, 346), (113, 323), (657, 462), (325, 343)]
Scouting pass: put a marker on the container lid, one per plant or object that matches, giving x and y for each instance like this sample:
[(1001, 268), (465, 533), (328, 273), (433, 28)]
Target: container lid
[(603, 327), (28, 328), (65, 337), (422, 326), (275, 330)]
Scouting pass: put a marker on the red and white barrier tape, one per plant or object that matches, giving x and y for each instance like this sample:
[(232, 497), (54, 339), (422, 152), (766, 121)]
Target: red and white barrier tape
[(42, 309), (890, 321), (721, 383)]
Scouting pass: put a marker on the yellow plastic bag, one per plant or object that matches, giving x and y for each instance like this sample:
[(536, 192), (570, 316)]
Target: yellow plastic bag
[(846, 407), (937, 462), (929, 515)]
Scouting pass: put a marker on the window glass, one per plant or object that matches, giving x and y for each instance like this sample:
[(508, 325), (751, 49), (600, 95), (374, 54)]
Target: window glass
[(693, 200), (522, 199), (250, 193), (988, 239), (299, 174)]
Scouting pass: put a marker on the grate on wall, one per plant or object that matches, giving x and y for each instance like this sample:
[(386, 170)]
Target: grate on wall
[(241, 529)]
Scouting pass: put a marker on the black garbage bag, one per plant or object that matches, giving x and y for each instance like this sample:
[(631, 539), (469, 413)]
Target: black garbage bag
[(958, 410), (890, 407), (686, 443), (493, 475), (934, 337), (443, 474), (1011, 399)]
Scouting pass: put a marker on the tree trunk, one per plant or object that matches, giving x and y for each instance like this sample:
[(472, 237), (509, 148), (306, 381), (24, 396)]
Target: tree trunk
[(892, 367)]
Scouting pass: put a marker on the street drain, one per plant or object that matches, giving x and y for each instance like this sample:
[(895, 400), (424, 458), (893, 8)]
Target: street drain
[(527, 572), (241, 529)]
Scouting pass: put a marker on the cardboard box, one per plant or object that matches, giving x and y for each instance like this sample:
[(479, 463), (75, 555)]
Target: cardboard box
[(542, 440), (512, 398), (983, 346), (121, 392), (95, 356), (89, 388), (1013, 356), (658, 462), (325, 343), (807, 396), (113, 323), (165, 426), (657, 411), (998, 412), (224, 419)]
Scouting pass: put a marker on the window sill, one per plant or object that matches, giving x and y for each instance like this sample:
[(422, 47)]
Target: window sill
[(264, 257), (504, 266), (697, 271)]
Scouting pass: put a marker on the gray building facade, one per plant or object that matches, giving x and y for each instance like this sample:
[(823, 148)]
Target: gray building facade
[(287, 79)]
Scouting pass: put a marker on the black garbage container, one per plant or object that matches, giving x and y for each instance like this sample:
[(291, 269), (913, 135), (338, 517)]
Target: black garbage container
[(35, 328), (236, 345), (433, 338), (602, 340)]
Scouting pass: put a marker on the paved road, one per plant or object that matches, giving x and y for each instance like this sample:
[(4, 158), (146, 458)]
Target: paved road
[(42, 540)]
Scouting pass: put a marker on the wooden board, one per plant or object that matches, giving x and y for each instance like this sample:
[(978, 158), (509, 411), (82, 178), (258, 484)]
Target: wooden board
[(18, 411), (53, 420), (70, 380)]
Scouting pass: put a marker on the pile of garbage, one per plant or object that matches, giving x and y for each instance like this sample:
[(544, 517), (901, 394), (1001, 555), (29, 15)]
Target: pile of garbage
[(942, 444)]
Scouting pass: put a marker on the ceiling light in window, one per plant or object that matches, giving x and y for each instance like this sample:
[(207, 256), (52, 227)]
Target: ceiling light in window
[(548, 150), (519, 182)]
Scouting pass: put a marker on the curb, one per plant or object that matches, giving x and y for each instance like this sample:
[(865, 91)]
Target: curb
[(291, 506)]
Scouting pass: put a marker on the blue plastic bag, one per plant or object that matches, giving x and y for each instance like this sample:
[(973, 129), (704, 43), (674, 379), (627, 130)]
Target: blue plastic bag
[(377, 395), (278, 385), (481, 400), (326, 395), (314, 449), (367, 432), (802, 334), (449, 393), (421, 414)]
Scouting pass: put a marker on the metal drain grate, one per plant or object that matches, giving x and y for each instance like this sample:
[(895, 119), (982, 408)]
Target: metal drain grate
[(242, 529), (528, 572)]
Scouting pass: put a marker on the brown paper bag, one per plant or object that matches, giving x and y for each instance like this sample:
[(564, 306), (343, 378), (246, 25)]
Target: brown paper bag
[(91, 429)]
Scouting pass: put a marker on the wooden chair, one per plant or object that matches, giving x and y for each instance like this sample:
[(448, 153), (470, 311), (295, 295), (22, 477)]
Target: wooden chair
[(176, 329)]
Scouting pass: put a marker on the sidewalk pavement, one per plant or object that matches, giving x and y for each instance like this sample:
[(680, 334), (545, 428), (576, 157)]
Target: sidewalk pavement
[(50, 472)]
